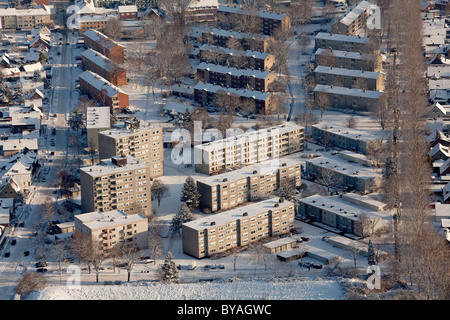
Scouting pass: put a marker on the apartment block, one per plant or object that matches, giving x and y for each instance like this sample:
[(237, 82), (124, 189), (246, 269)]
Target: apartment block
[(344, 171), (350, 78), (121, 183), (344, 42), (128, 12), (350, 98), (267, 22), (95, 22), (205, 93), (342, 213), (248, 41), (348, 60), (354, 19), (202, 11), (344, 137), (235, 78), (249, 59), (140, 140), (26, 19), (101, 43), (113, 229), (106, 93), (249, 148), (249, 184), (103, 66), (237, 227)]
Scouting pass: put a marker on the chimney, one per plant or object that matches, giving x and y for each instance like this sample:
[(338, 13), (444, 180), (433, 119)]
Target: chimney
[(245, 214), (213, 223)]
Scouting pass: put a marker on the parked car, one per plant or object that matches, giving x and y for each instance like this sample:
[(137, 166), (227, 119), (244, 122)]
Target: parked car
[(41, 270), (40, 264), (13, 242), (7, 254), (26, 253)]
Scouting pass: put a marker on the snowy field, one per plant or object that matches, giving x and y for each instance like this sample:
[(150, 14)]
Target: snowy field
[(307, 289)]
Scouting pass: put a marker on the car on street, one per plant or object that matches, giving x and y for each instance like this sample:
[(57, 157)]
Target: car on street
[(7, 254), (41, 270), (40, 264), (13, 242), (26, 253)]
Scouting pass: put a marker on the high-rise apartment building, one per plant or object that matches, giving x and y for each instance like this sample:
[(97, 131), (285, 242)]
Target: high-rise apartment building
[(140, 140), (121, 183)]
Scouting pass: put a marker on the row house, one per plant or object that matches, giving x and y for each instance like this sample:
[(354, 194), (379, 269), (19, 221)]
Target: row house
[(103, 91), (238, 227), (103, 66), (348, 60), (128, 12), (142, 141), (202, 11), (249, 184), (235, 78), (267, 22), (249, 59), (113, 229), (249, 148), (101, 43), (205, 94), (349, 78), (121, 183)]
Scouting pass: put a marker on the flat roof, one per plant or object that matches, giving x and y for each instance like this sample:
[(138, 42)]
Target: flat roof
[(98, 117), (250, 135), (233, 71), (341, 37), (99, 220), (348, 72), (144, 126), (337, 164), (252, 210), (259, 13), (106, 167), (338, 206), (346, 131), (262, 168), (369, 94), (279, 242), (209, 87)]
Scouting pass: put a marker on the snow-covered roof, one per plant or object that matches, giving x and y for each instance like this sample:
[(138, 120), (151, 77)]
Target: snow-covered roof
[(355, 12), (347, 132), (347, 72), (218, 219), (100, 83), (98, 117), (257, 95), (97, 58), (107, 167), (341, 37), (228, 51), (233, 71), (368, 94), (98, 36), (37, 66), (127, 9), (261, 14), (100, 220), (178, 107), (199, 4)]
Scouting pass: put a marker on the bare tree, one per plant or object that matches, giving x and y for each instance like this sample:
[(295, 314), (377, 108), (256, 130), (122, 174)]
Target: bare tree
[(129, 256), (351, 122), (154, 239), (30, 282), (329, 178), (113, 28), (159, 189), (322, 101)]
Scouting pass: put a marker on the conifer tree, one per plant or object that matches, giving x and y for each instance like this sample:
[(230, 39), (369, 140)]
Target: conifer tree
[(190, 194), (170, 272)]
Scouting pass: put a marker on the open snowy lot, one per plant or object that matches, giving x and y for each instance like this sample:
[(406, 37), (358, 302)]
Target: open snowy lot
[(304, 289)]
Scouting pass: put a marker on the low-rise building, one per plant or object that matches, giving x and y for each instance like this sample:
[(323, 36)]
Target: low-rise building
[(103, 66), (339, 213), (344, 137), (248, 41), (238, 227), (350, 78), (26, 19), (128, 12), (338, 172), (348, 60), (350, 98), (344, 42), (100, 89), (205, 93), (354, 19), (267, 22), (113, 229), (249, 184), (101, 43)]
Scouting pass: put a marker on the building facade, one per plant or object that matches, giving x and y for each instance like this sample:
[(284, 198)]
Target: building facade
[(238, 227), (249, 184), (26, 19), (142, 141), (113, 229), (348, 60), (103, 66), (117, 183), (101, 43), (350, 78)]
